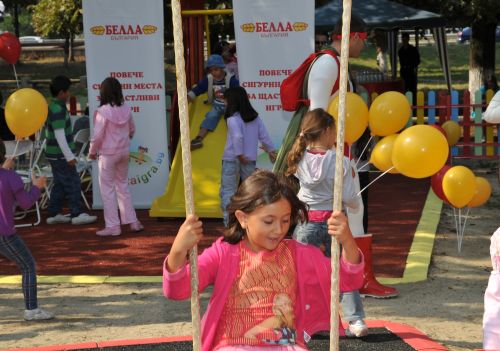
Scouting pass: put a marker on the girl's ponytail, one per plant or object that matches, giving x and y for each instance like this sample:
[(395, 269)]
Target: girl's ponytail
[(314, 123), (295, 154)]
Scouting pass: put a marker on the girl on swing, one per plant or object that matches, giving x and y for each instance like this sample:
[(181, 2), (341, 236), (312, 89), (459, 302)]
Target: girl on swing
[(268, 293)]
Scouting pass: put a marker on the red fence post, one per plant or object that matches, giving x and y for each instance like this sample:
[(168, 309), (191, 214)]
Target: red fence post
[(442, 101), (72, 105), (466, 124)]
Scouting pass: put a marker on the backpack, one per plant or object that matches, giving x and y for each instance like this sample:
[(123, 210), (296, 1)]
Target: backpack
[(293, 91)]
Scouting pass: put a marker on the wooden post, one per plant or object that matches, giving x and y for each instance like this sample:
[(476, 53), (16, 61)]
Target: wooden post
[(339, 173), (180, 65)]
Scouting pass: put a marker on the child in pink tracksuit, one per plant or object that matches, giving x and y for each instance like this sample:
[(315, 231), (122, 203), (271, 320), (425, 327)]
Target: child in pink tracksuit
[(491, 318), (113, 129)]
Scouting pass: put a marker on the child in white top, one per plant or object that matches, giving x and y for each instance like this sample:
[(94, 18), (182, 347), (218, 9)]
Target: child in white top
[(312, 161)]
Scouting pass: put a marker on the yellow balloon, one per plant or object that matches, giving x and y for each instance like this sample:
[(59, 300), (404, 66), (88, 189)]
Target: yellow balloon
[(420, 151), (482, 192), (356, 116), (25, 112), (381, 155), (389, 113), (453, 132), (459, 184)]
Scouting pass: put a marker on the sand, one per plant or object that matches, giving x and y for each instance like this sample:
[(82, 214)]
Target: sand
[(448, 306)]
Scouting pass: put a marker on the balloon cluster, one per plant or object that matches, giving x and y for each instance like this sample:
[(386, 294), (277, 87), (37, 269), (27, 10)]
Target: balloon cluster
[(419, 151), (26, 109), (459, 187)]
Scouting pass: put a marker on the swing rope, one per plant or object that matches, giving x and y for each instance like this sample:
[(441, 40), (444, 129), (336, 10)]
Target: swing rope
[(180, 65), (339, 173)]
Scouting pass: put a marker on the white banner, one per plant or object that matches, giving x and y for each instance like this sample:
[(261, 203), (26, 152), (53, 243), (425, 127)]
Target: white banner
[(124, 39), (273, 37)]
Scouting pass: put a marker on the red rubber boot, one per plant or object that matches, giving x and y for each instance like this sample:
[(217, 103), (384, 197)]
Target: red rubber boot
[(371, 287)]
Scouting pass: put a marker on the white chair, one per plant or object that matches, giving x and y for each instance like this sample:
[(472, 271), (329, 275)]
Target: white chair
[(25, 169), (83, 166)]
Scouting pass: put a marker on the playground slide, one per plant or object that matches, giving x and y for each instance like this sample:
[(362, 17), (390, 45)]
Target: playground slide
[(206, 171)]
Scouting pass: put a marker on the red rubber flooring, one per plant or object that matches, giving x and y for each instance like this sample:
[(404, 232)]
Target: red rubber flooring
[(395, 206)]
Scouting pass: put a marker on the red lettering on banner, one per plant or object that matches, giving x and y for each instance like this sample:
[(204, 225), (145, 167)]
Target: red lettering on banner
[(123, 29), (127, 74), (148, 86), (273, 27)]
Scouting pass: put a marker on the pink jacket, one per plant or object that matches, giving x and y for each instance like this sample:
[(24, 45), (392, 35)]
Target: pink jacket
[(113, 129), (491, 317), (218, 266)]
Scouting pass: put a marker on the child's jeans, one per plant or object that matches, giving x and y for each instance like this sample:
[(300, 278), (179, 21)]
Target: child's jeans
[(14, 248), (213, 116), (232, 172), (66, 185), (316, 233)]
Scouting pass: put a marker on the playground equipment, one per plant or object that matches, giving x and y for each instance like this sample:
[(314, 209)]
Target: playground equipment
[(206, 172)]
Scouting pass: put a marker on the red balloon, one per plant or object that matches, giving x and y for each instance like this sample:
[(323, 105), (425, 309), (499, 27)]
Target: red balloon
[(439, 128), (437, 183), (10, 47)]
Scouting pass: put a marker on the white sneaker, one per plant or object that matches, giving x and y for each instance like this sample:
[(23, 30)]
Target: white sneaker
[(58, 218), (357, 329), (83, 218), (37, 315)]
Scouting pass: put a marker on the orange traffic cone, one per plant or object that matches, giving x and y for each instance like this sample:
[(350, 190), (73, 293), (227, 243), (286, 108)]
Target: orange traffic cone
[(371, 287)]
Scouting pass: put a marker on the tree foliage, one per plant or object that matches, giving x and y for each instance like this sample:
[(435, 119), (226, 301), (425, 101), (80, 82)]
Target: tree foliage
[(24, 20), (58, 18), (482, 16), (220, 25), (14, 7), (460, 13)]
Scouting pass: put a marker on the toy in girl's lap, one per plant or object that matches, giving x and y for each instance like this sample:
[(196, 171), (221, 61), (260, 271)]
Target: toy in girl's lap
[(257, 275)]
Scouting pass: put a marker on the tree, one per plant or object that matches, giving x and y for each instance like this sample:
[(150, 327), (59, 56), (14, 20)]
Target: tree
[(60, 18), (14, 7), (220, 25), (482, 16)]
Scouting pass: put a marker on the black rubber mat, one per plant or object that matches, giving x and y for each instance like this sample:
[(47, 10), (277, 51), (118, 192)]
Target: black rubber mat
[(379, 339)]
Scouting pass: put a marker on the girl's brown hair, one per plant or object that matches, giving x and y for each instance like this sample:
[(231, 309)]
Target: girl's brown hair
[(261, 188), (314, 123), (111, 92)]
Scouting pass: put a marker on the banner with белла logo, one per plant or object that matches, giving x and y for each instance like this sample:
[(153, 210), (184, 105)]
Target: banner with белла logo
[(273, 37), (124, 39)]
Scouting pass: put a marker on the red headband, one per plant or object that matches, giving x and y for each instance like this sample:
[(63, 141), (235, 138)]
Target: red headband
[(361, 35)]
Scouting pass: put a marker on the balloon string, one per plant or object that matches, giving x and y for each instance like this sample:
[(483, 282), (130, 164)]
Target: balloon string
[(15, 149), (364, 149), (373, 181), (459, 229), (15, 75), (455, 218), (463, 227), (363, 167)]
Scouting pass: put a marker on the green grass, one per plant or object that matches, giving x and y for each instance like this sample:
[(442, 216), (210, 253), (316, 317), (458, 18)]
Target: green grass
[(430, 74), (42, 67)]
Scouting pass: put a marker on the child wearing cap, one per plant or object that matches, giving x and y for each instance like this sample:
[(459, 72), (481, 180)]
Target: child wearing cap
[(214, 84)]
